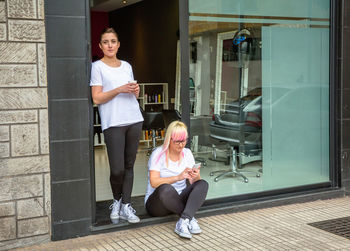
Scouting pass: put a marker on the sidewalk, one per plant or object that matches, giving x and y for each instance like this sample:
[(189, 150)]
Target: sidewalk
[(277, 228)]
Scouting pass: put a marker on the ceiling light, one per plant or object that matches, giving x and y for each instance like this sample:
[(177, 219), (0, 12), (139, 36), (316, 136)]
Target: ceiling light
[(124, 2)]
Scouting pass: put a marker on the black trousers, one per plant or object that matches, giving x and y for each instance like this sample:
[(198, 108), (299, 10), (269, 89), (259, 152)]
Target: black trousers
[(165, 200), (122, 143)]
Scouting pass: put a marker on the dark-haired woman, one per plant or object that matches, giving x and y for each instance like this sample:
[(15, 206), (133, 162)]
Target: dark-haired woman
[(115, 92)]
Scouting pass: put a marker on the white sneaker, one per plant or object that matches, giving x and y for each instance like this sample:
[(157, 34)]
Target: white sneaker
[(115, 207), (128, 213), (181, 228), (194, 227)]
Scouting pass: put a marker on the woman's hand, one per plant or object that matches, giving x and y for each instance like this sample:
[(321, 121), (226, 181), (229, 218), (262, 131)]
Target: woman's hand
[(185, 174), (137, 91), (156, 180), (128, 88), (100, 97), (195, 174)]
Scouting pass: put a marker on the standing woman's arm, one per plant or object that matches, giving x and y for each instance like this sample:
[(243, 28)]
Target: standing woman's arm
[(100, 97), (96, 83)]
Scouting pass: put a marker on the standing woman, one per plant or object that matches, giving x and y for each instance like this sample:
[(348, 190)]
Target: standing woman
[(115, 92), (174, 184)]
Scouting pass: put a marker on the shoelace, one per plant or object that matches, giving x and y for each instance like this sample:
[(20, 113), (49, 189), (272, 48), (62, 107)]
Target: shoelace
[(113, 206), (129, 210), (193, 220), (185, 224)]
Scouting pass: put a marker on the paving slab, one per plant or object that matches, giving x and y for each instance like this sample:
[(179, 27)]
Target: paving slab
[(276, 228)]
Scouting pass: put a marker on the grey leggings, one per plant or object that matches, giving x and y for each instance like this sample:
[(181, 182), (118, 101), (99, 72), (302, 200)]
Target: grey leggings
[(165, 200), (122, 143)]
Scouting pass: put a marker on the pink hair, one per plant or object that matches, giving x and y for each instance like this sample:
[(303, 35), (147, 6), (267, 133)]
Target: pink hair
[(176, 131)]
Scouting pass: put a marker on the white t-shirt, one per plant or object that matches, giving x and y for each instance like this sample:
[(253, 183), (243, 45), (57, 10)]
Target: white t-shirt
[(173, 169), (124, 108)]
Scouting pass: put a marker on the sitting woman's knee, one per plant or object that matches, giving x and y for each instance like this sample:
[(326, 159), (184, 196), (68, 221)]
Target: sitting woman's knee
[(202, 184), (165, 190)]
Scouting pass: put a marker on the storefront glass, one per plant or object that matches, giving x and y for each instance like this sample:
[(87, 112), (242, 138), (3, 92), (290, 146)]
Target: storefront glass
[(259, 93)]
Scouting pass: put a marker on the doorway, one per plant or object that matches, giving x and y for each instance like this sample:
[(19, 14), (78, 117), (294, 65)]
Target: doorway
[(148, 32)]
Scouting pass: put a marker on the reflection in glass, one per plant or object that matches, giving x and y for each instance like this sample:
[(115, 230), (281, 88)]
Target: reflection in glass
[(259, 89)]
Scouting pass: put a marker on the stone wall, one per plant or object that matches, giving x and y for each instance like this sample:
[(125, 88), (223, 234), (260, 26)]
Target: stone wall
[(24, 146)]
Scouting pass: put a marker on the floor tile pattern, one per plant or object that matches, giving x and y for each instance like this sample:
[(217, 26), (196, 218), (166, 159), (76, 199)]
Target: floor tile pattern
[(277, 228)]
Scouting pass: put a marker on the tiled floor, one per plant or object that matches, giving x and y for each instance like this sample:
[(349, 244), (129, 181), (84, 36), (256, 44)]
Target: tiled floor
[(227, 186), (277, 228)]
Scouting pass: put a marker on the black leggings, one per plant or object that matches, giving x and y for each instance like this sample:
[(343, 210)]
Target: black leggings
[(165, 200), (122, 143)]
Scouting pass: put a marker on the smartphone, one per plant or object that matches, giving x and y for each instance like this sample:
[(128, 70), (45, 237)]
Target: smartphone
[(197, 165)]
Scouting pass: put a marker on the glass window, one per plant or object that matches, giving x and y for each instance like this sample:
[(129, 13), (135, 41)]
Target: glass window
[(259, 93)]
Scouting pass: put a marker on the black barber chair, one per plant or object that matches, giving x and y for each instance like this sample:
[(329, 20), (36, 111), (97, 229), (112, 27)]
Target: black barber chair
[(170, 116), (153, 121), (242, 132), (195, 130), (240, 123)]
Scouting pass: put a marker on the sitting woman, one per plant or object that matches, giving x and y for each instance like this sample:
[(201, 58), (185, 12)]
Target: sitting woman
[(174, 184)]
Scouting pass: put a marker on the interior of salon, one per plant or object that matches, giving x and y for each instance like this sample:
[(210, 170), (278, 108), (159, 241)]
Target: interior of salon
[(258, 91)]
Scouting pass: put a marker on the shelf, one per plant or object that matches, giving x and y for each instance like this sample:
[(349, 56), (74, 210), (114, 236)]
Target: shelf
[(158, 103), (151, 90)]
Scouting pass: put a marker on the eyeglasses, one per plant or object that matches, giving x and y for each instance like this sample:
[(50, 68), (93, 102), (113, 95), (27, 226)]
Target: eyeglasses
[(178, 142)]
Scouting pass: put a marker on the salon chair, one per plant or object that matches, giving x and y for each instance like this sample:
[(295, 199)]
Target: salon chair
[(198, 126), (153, 121), (170, 116), (200, 130), (242, 132)]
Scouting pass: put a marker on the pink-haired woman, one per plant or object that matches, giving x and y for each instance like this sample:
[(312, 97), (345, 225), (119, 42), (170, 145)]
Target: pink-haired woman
[(174, 184)]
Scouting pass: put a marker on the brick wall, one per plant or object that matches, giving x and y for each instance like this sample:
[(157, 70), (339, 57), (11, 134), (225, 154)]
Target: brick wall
[(24, 146)]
